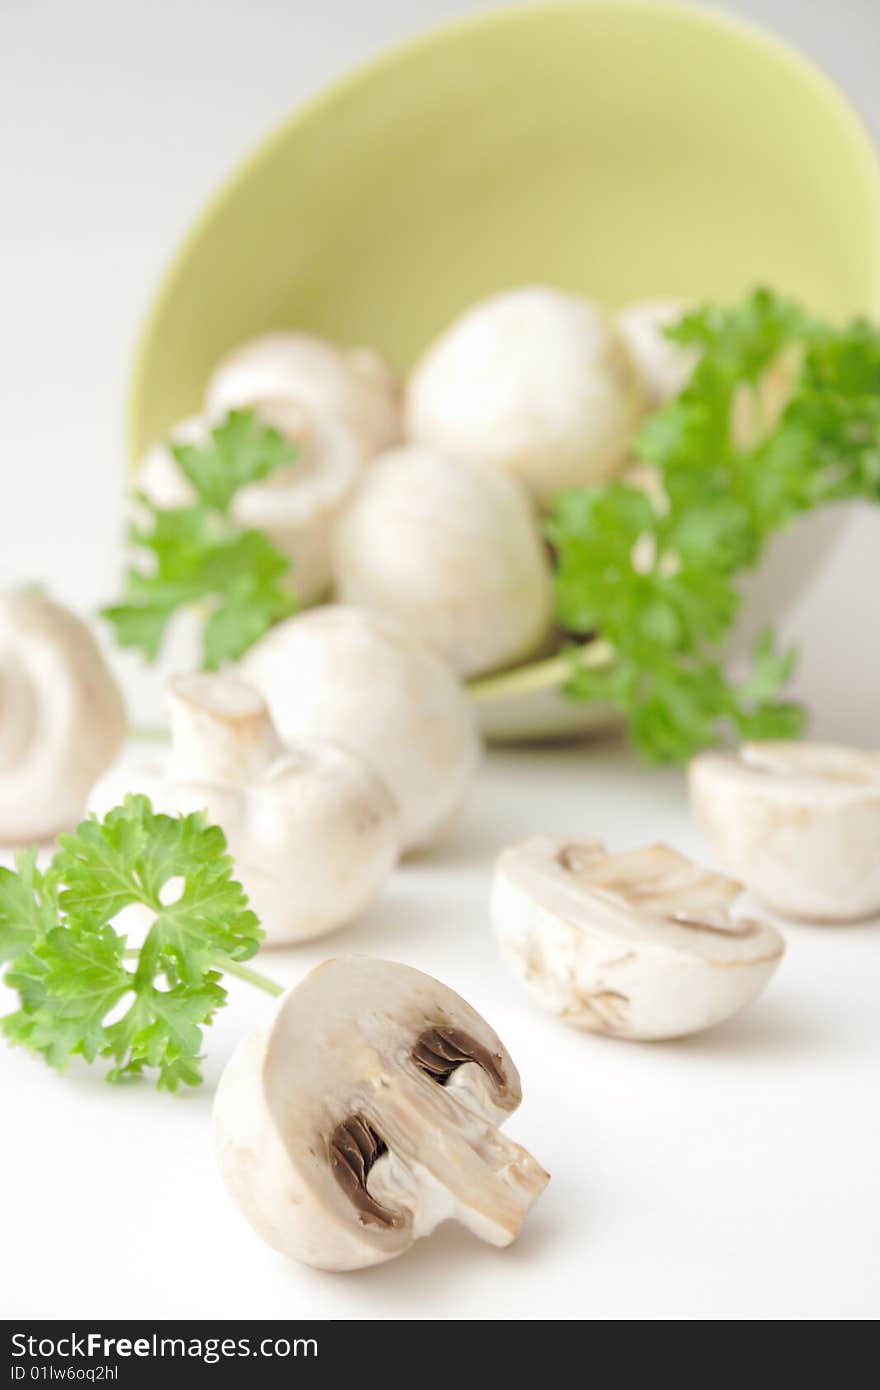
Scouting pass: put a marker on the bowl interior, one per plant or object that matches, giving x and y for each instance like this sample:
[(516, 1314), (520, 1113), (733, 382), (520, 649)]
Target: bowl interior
[(620, 149)]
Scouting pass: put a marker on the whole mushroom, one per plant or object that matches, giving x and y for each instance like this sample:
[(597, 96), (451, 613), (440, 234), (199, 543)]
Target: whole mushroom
[(356, 388), (367, 1113), (296, 506), (363, 681), (313, 830), (798, 822), (534, 382), (450, 550), (638, 944), (664, 366), (62, 718)]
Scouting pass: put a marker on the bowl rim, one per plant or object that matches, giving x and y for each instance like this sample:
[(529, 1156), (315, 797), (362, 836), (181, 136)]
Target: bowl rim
[(711, 17)]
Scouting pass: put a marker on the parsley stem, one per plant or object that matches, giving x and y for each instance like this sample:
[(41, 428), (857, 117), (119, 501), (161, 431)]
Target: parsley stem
[(231, 967), (148, 733), (253, 977), (539, 675)]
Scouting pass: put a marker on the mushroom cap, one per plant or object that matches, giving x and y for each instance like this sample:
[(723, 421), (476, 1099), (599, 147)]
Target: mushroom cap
[(367, 1112), (362, 681), (356, 388), (314, 837), (535, 382), (664, 366), (62, 717), (451, 551), (798, 822), (313, 830), (637, 944), (296, 506)]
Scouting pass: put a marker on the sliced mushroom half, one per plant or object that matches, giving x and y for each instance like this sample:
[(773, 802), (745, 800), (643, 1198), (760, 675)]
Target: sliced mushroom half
[(798, 822), (637, 944), (367, 1113)]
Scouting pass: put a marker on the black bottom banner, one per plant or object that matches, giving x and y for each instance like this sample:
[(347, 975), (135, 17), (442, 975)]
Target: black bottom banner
[(134, 1354)]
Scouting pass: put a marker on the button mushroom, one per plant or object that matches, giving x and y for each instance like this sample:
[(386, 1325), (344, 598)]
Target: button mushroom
[(535, 382), (62, 719), (313, 830), (798, 822), (664, 366), (356, 388), (638, 944), (364, 682), (297, 506), (450, 550), (366, 1114)]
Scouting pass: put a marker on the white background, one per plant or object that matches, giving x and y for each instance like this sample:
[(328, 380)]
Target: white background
[(734, 1175)]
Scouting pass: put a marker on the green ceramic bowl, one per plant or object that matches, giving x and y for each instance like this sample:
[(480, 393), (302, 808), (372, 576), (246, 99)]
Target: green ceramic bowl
[(621, 148)]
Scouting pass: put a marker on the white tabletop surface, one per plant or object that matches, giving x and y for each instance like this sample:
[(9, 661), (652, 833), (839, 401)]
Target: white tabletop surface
[(732, 1175)]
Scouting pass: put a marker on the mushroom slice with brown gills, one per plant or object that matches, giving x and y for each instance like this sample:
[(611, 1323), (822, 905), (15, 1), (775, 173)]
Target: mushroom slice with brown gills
[(367, 1113), (638, 944), (798, 822)]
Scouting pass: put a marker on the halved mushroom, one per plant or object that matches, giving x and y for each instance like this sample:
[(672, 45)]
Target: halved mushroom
[(637, 944), (452, 551), (798, 822), (313, 830), (62, 719), (367, 1113), (355, 388), (535, 382), (361, 680), (297, 506)]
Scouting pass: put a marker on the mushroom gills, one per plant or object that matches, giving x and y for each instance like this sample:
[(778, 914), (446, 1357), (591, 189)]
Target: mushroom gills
[(354, 1148), (440, 1051)]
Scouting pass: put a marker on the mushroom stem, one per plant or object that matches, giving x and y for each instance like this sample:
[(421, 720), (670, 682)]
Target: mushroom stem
[(539, 675), (220, 729), (233, 967)]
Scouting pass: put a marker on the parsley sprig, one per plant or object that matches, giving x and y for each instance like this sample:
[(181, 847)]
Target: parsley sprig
[(781, 415), (82, 991), (197, 554)]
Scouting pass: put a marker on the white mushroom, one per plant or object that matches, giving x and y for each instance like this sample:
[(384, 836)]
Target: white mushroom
[(664, 366), (638, 944), (364, 682), (62, 719), (535, 382), (450, 550), (296, 506), (367, 1113), (798, 822), (356, 388), (313, 830)]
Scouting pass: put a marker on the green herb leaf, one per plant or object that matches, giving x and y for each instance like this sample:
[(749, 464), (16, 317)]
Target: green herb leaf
[(240, 451), (781, 414), (71, 974), (195, 555), (27, 905)]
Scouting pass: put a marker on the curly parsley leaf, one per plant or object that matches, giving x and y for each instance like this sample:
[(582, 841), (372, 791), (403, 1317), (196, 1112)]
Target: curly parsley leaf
[(28, 905), (196, 555), (240, 451), (781, 415), (77, 995)]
